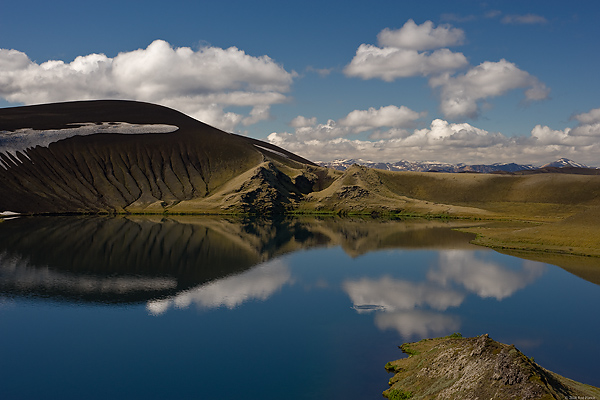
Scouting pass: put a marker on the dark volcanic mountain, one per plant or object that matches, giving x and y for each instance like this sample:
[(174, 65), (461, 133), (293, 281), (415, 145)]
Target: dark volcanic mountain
[(114, 156)]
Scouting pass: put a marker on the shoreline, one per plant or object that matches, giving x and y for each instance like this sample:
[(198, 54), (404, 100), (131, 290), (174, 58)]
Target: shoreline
[(500, 233)]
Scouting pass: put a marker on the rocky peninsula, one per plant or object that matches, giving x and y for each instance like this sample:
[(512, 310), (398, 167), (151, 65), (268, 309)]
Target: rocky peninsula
[(454, 367)]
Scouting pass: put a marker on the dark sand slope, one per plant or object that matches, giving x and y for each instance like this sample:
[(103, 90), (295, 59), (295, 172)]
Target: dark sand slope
[(116, 172)]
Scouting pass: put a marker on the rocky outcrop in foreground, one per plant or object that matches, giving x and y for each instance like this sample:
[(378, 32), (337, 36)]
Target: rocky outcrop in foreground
[(476, 368)]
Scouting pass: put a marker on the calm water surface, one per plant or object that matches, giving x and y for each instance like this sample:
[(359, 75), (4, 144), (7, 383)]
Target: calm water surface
[(199, 308)]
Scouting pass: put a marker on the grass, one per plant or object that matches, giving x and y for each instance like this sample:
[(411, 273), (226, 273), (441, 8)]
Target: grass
[(455, 335), (576, 235), (397, 394), (390, 367), (565, 207), (408, 350)]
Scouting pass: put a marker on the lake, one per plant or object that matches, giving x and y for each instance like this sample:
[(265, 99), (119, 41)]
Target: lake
[(213, 308)]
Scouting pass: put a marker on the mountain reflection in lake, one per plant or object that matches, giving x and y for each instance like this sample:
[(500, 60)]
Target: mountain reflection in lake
[(190, 307)]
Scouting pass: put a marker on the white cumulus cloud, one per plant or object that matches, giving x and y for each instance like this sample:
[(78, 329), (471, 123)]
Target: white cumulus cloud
[(586, 133), (390, 63), (302, 122), (445, 141), (544, 135), (421, 37), (402, 53), (590, 117), (307, 129), (421, 50), (460, 95), (388, 116), (201, 83)]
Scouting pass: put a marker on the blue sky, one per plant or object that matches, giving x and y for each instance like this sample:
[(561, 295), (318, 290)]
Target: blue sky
[(461, 81)]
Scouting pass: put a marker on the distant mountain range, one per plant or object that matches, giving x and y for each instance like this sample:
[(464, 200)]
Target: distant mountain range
[(432, 166)]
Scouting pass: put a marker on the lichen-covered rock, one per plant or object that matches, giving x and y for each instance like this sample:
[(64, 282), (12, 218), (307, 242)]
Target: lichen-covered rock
[(476, 368)]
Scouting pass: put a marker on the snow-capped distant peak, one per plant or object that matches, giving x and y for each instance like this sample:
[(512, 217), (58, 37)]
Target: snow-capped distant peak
[(403, 165), (564, 162)]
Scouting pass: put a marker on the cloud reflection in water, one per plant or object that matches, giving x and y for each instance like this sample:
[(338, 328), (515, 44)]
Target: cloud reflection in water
[(19, 272), (415, 308), (258, 283), (417, 323), (484, 278), (392, 294)]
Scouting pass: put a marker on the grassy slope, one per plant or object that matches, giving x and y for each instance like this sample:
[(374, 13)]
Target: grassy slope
[(471, 368), (360, 189), (552, 212), (547, 217)]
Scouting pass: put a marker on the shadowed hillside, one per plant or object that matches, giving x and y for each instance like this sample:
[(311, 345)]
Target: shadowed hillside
[(107, 172)]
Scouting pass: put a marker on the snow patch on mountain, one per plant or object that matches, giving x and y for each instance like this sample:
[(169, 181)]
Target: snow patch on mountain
[(564, 162), (23, 139)]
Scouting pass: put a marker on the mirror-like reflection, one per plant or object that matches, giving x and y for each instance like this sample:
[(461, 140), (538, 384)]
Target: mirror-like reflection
[(392, 294), (132, 259), (258, 283), (484, 278), (418, 323), (415, 308), (172, 307)]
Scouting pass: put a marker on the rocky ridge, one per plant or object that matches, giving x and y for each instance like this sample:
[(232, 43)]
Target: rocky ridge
[(476, 368)]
